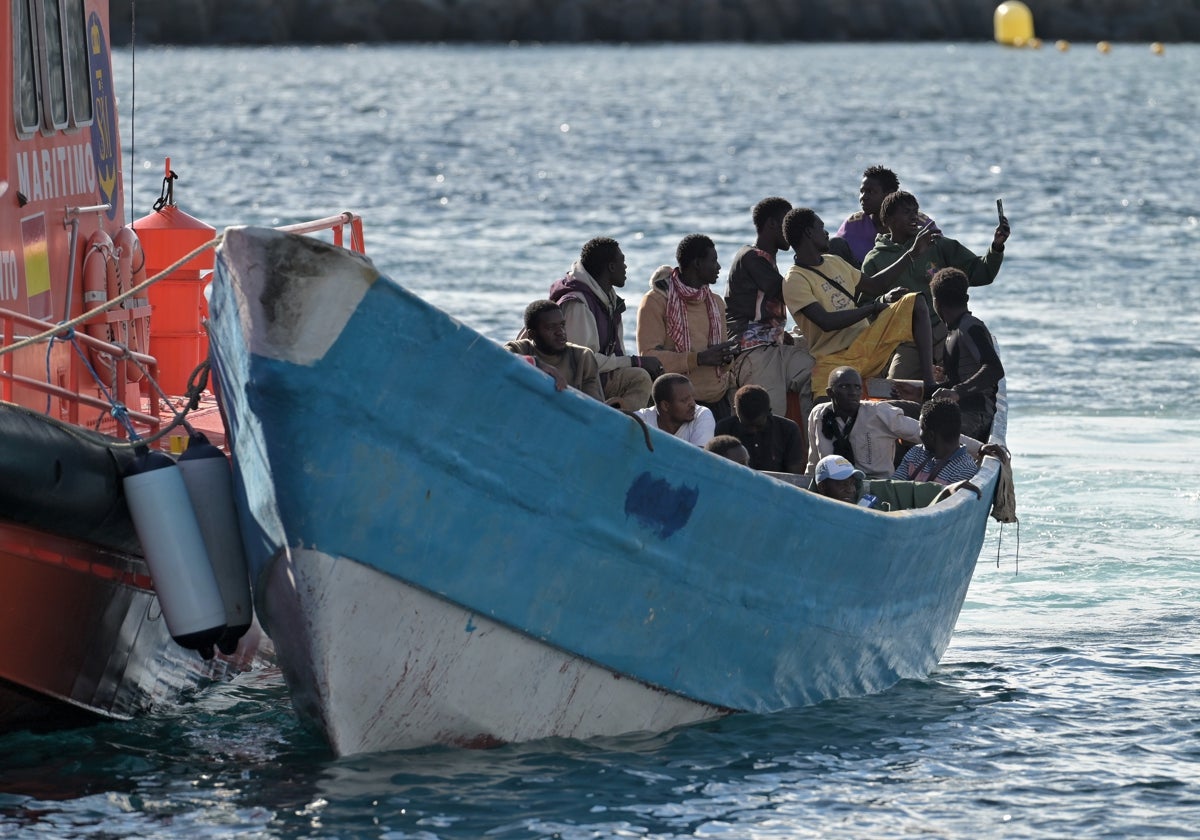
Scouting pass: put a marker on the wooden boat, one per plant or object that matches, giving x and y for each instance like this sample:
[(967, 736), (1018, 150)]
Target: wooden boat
[(446, 550), (80, 612)]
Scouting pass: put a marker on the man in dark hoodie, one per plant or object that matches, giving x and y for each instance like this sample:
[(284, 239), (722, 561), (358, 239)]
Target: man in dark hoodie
[(900, 215), (972, 365), (593, 312)]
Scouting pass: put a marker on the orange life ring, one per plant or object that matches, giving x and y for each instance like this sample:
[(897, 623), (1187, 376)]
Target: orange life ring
[(100, 284), (131, 272)]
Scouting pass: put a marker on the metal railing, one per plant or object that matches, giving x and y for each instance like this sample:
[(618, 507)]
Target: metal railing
[(69, 390), (337, 224)]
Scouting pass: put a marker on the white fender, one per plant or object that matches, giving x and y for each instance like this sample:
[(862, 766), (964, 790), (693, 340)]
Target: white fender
[(174, 550), (209, 481)]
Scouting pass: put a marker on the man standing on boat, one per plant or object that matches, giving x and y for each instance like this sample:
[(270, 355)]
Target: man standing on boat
[(972, 365), (682, 323), (593, 312), (547, 347), (756, 315), (820, 291), (675, 410)]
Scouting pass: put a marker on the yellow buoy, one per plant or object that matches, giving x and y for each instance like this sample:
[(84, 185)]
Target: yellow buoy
[(1104, 46), (1156, 48), (1013, 23), (1062, 46)]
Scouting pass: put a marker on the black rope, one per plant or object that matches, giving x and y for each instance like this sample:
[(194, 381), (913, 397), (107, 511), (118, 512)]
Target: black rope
[(645, 428), (167, 196)]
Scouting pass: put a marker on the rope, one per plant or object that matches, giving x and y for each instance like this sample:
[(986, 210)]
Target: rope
[(119, 412), (645, 428), (119, 299), (1017, 556)]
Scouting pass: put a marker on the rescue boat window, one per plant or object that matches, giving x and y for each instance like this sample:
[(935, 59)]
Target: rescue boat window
[(56, 82), (27, 95), (77, 64)]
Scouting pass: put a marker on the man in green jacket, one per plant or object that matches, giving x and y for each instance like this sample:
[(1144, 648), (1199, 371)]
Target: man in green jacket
[(899, 214)]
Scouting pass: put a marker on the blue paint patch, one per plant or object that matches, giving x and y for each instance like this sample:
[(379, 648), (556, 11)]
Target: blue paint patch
[(659, 505), (470, 628)]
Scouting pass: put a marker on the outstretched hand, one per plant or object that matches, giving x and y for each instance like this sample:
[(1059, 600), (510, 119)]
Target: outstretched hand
[(926, 237), (1001, 235)]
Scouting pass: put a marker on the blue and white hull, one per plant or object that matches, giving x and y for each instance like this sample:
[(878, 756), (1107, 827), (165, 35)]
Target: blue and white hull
[(447, 550)]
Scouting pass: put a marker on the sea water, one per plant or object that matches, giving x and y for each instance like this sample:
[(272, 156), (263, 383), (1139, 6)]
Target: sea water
[(1068, 703)]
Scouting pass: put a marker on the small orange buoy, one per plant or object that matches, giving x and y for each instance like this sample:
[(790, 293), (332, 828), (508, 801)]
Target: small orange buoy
[(1061, 45), (1104, 46), (1157, 48)]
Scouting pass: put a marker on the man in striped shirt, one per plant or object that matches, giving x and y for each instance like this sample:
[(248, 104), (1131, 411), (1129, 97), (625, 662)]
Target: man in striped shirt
[(939, 457)]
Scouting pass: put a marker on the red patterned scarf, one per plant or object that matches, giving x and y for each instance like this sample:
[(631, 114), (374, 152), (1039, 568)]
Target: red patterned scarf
[(679, 294)]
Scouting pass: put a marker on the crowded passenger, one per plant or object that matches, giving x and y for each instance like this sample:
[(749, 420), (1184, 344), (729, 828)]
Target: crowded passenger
[(729, 447), (972, 367), (547, 347), (681, 322), (820, 291), (856, 237), (774, 443), (593, 309), (940, 457), (676, 412), (837, 478), (900, 215), (865, 433), (755, 314)]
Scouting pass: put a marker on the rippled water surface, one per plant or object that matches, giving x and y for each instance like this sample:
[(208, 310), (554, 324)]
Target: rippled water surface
[(1068, 704)]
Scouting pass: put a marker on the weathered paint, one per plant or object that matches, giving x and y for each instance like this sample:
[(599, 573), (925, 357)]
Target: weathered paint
[(392, 435), (384, 665)]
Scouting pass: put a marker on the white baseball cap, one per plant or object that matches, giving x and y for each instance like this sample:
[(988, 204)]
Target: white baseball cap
[(835, 467)]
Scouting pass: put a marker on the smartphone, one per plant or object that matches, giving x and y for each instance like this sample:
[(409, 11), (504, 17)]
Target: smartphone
[(1000, 209)]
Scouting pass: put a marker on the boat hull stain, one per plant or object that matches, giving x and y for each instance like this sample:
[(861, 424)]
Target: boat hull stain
[(659, 505)]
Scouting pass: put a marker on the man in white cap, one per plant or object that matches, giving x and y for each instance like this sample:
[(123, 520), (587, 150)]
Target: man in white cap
[(837, 478)]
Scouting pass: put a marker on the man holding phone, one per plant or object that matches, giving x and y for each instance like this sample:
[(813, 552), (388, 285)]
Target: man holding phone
[(899, 214)]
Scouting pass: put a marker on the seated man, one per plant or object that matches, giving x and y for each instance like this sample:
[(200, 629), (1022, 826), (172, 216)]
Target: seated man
[(837, 478), (587, 295), (774, 443), (675, 410), (820, 291), (682, 323), (727, 446), (548, 348), (900, 215), (972, 365), (856, 237), (755, 315), (939, 457), (864, 433)]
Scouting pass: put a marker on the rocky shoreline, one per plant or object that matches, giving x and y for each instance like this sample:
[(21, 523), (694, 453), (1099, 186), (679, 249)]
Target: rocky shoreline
[(636, 21)]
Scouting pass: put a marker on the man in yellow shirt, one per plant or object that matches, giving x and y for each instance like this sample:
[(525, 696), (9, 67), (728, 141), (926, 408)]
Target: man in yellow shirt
[(823, 292)]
